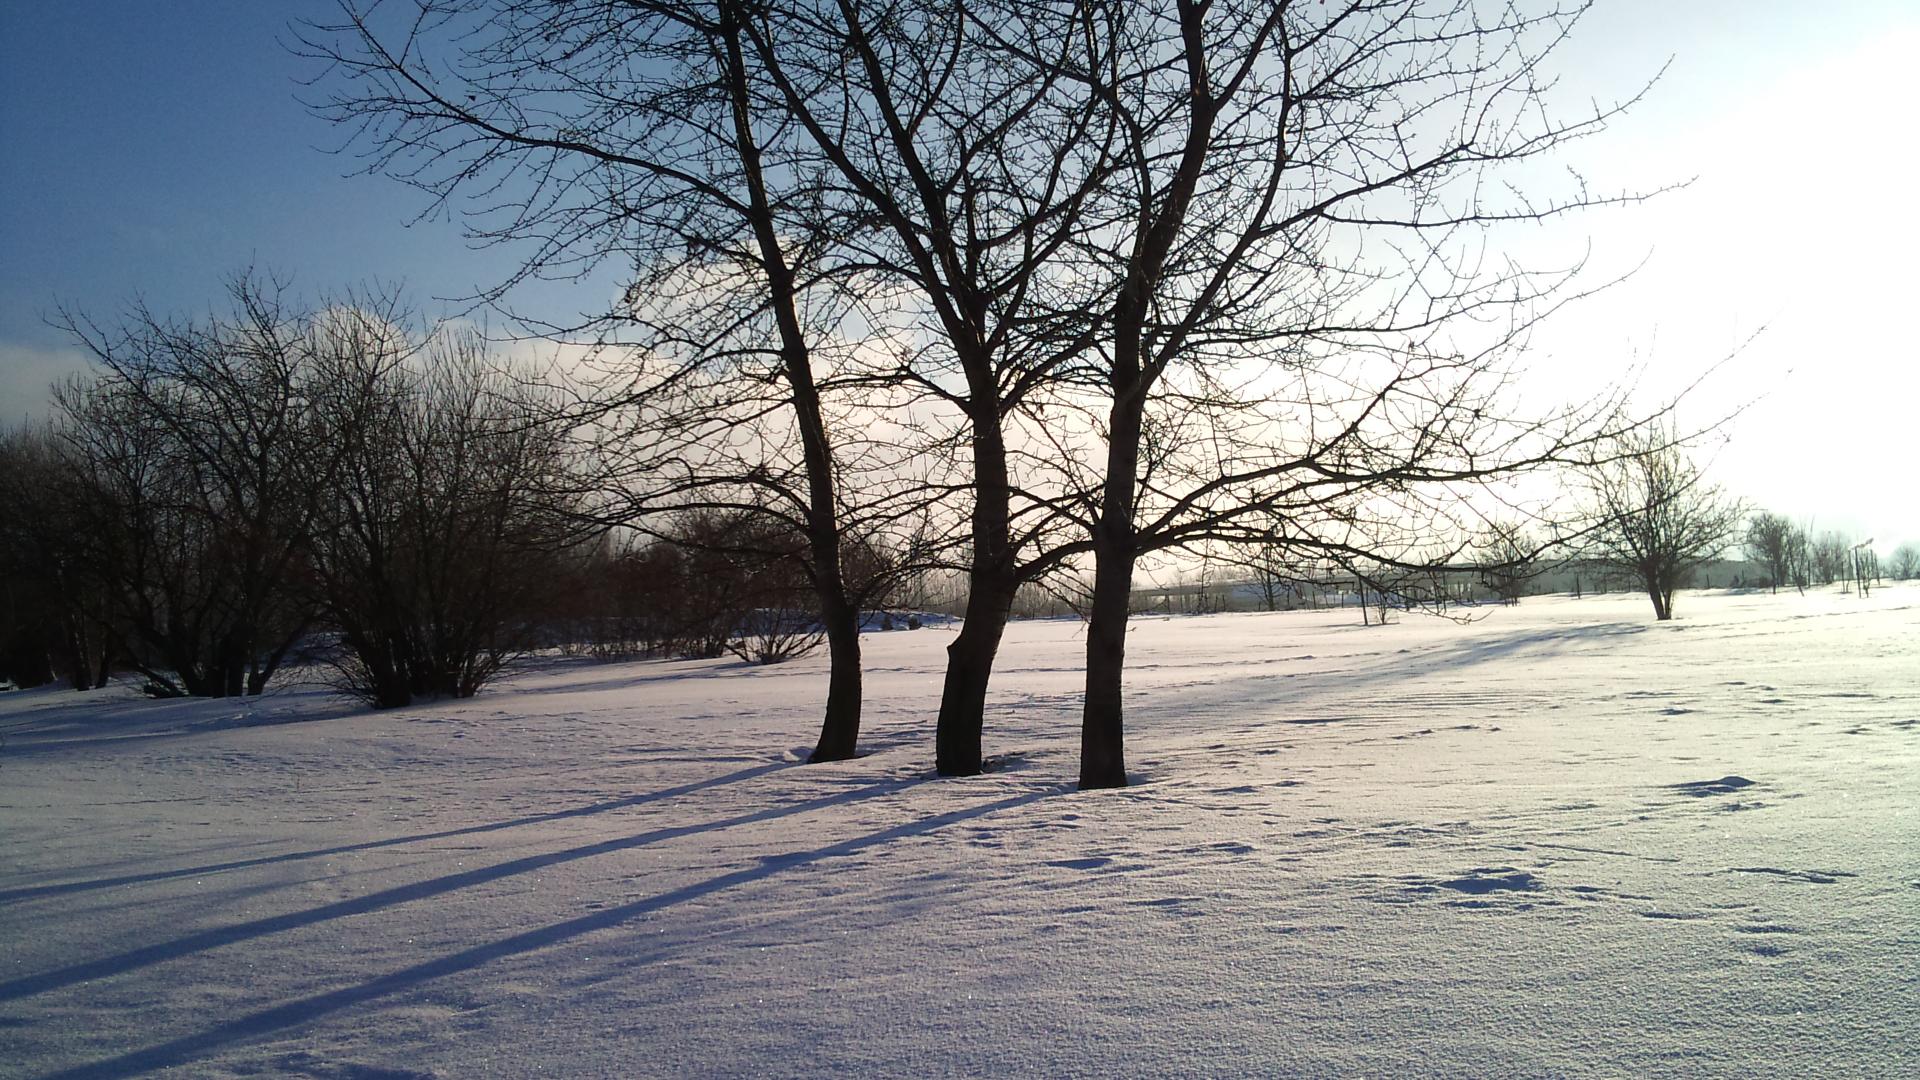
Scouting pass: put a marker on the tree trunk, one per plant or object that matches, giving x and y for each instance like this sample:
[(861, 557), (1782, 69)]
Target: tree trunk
[(1662, 601), (991, 585), (1102, 733), (390, 690), (1103, 761), (840, 731), (963, 699)]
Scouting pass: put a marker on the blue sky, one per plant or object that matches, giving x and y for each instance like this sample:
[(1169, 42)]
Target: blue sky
[(154, 148), (151, 149)]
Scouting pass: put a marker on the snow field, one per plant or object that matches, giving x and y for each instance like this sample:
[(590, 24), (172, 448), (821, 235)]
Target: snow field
[(1561, 840)]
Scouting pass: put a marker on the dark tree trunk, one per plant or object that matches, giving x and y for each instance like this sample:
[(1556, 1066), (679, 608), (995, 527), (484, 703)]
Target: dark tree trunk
[(991, 585), (194, 683), (1103, 762), (259, 677), (1103, 759), (840, 730), (963, 698), (390, 691), (1131, 374), (1662, 597), (233, 671)]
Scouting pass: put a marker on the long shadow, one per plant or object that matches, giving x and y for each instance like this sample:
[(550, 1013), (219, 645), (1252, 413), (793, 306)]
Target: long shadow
[(280, 1017), (10, 896), (109, 724), (1479, 652), (121, 963), (1457, 657), (1256, 697), (654, 671)]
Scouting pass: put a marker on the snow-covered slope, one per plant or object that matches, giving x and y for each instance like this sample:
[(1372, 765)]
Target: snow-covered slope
[(1560, 841)]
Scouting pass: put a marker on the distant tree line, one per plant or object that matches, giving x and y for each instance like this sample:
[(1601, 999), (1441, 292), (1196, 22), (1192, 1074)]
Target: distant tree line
[(1652, 522), (328, 485), (231, 493), (1791, 556), (703, 583)]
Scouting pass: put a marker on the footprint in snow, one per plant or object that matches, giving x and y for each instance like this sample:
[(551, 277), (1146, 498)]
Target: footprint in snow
[(1094, 863), (1816, 877), (1230, 847), (1167, 902), (1700, 789), (1483, 880), (1480, 887)]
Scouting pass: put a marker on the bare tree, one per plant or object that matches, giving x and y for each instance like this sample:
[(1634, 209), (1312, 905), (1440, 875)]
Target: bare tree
[(1830, 557), (633, 130), (1905, 563), (1769, 542), (975, 166), (1119, 226), (1660, 519), (1238, 363), (1276, 580), (1799, 559), (1509, 560), (441, 530), (203, 472)]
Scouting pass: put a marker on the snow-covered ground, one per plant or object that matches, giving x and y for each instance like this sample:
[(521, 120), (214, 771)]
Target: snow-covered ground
[(1560, 841)]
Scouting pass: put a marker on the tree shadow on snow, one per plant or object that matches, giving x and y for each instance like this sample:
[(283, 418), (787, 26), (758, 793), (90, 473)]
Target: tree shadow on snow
[(1546, 642), (205, 940), (631, 674), (296, 1013), (8, 896), (1395, 668), (113, 718), (1448, 655), (1260, 698)]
